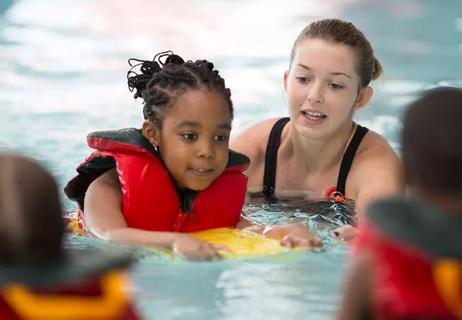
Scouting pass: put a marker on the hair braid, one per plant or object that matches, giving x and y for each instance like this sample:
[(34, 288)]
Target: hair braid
[(159, 83)]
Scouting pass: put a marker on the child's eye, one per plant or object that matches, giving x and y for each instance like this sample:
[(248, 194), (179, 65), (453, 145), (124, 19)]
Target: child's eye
[(336, 86), (221, 138), (188, 136)]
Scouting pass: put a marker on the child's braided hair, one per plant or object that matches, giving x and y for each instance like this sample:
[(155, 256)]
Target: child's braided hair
[(161, 81)]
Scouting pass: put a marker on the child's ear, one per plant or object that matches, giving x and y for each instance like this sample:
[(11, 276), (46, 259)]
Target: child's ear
[(364, 95), (151, 132)]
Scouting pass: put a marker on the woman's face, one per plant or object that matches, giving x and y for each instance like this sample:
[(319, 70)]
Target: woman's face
[(194, 138), (322, 88)]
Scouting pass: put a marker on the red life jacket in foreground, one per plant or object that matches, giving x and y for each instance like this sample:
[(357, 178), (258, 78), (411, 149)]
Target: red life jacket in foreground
[(82, 285), (150, 201), (416, 257)]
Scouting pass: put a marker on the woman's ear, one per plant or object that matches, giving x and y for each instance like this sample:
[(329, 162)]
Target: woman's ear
[(364, 95), (151, 132), (286, 78)]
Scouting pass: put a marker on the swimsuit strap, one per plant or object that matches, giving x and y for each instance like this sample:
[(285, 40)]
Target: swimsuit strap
[(271, 156), (274, 140), (348, 156)]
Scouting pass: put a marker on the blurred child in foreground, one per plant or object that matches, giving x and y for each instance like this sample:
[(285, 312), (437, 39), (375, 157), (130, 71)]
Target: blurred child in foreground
[(39, 279), (408, 254)]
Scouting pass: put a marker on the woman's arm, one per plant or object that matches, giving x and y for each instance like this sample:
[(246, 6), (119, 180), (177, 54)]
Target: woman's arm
[(104, 219), (378, 174), (291, 235)]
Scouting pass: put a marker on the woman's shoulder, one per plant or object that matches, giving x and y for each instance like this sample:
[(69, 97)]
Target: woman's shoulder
[(375, 148), (258, 130), (376, 170), (253, 136), (252, 142)]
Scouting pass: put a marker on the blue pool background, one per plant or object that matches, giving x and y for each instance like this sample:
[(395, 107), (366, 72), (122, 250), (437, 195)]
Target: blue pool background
[(62, 75)]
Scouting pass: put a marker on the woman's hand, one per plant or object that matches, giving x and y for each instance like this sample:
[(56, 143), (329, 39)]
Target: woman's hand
[(346, 232), (196, 249), (293, 235)]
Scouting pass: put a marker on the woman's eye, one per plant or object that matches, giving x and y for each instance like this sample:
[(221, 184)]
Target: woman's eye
[(221, 138), (301, 79), (336, 86), (188, 136)]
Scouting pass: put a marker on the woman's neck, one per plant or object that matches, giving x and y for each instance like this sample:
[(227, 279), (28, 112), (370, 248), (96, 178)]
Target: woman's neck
[(319, 154)]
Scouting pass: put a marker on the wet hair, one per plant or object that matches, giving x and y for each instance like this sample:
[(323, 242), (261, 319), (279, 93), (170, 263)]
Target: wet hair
[(31, 223), (431, 138), (161, 81), (337, 31)]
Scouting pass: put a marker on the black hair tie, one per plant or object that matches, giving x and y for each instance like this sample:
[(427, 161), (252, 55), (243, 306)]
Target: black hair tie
[(139, 80)]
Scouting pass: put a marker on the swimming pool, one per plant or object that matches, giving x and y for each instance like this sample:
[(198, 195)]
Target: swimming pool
[(62, 75)]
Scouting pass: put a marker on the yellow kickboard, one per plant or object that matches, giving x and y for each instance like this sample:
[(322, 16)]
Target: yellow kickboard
[(240, 242)]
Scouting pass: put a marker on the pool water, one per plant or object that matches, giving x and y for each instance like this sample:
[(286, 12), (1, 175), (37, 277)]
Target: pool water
[(62, 75)]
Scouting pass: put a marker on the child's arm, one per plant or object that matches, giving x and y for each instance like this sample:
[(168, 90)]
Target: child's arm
[(104, 219), (356, 303), (291, 235)]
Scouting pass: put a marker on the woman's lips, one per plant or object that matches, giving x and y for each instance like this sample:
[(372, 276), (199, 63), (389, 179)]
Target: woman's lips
[(313, 116)]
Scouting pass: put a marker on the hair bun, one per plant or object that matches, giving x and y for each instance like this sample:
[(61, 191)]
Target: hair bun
[(139, 79), (175, 59), (150, 67)]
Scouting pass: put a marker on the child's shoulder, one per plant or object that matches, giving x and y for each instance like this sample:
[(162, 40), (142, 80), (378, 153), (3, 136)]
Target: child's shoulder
[(237, 161), (123, 139), (237, 157), (420, 224), (126, 135)]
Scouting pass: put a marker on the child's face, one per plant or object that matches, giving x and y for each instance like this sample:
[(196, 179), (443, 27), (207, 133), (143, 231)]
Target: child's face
[(194, 138), (322, 87)]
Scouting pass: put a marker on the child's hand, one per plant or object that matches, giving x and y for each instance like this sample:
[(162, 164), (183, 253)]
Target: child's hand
[(293, 235), (346, 232), (196, 249)]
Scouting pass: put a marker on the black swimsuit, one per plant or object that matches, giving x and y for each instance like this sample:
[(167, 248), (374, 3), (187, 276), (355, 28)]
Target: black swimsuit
[(274, 140)]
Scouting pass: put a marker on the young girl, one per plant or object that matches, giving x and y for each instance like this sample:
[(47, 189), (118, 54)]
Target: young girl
[(176, 174), (39, 279), (408, 254), (320, 149)]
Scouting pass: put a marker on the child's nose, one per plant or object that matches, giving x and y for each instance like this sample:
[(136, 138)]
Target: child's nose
[(205, 150)]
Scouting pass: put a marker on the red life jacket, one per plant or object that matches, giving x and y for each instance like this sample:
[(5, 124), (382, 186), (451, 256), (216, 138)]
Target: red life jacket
[(80, 285), (149, 200), (97, 298), (416, 272)]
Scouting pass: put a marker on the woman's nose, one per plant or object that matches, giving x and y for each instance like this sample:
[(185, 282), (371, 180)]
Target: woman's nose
[(315, 95)]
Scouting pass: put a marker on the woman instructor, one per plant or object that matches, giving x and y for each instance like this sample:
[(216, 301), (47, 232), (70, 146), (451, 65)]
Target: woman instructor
[(320, 149)]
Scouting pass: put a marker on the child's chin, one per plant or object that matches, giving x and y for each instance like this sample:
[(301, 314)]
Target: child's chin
[(199, 186)]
